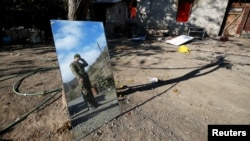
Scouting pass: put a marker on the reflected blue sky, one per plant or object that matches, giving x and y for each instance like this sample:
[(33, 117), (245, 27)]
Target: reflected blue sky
[(80, 37)]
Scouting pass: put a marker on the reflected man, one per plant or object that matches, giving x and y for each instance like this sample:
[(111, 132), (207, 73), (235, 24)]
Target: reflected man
[(77, 68)]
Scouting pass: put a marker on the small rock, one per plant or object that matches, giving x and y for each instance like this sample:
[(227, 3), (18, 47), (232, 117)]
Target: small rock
[(138, 109), (152, 133), (98, 133), (206, 118), (48, 135)]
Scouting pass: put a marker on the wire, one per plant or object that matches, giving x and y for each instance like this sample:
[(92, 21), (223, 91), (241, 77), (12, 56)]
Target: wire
[(26, 114)]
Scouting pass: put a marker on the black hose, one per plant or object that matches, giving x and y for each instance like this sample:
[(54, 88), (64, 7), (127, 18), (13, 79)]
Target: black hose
[(15, 90), (17, 84)]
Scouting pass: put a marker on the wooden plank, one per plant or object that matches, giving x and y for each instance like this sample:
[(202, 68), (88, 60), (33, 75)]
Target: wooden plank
[(243, 20), (231, 26), (247, 25), (237, 5)]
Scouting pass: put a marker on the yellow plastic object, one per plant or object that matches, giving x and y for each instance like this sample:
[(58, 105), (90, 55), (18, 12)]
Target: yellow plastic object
[(183, 49)]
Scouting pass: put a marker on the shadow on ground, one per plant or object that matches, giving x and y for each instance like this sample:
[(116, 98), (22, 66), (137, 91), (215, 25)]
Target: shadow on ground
[(219, 63)]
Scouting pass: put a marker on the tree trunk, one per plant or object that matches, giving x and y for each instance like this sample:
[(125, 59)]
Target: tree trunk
[(78, 10), (71, 9)]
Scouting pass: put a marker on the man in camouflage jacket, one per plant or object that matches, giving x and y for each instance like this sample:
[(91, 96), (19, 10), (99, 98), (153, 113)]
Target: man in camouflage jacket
[(77, 68)]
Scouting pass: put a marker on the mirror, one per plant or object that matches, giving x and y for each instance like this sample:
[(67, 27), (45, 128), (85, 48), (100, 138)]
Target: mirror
[(86, 72)]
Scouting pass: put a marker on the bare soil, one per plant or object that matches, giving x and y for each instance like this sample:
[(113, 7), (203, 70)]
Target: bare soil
[(210, 85)]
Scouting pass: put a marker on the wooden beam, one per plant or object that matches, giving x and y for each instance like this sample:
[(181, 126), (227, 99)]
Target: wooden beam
[(243, 20), (238, 5)]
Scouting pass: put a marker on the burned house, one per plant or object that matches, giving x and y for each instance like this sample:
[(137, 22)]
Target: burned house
[(174, 17), (135, 17), (112, 13)]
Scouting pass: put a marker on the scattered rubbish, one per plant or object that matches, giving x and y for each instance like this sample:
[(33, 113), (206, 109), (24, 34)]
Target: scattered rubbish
[(98, 133), (36, 35), (66, 126), (197, 32), (120, 90), (109, 89), (130, 81), (247, 35), (196, 42), (115, 101), (163, 39), (206, 118), (224, 38), (176, 91), (17, 119), (139, 38), (169, 38), (14, 34), (183, 49), (122, 87), (18, 54), (159, 39), (180, 40), (6, 39), (153, 79), (127, 101)]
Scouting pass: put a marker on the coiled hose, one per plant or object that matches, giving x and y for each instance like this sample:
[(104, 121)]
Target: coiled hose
[(15, 90)]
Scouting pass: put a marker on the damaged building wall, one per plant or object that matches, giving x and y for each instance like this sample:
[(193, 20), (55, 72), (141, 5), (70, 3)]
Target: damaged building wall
[(206, 14), (157, 14), (115, 18), (209, 14)]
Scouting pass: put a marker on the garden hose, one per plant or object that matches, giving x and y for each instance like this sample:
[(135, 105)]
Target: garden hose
[(17, 84), (15, 90)]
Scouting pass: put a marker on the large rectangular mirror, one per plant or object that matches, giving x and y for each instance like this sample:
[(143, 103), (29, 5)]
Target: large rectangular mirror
[(86, 72)]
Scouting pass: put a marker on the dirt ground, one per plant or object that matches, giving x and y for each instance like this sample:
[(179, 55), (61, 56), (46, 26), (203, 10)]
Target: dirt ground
[(210, 85)]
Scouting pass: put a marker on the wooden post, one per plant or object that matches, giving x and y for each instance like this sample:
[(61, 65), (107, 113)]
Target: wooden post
[(64, 102)]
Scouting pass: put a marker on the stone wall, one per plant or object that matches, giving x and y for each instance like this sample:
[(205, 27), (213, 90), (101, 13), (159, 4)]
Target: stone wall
[(161, 14)]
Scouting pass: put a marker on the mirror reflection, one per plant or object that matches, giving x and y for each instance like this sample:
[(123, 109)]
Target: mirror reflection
[(86, 72)]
